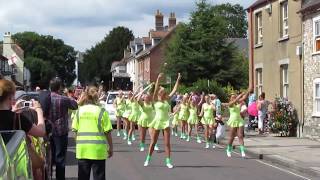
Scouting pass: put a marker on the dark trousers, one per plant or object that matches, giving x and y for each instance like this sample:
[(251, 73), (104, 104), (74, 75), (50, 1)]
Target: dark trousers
[(59, 145), (98, 169)]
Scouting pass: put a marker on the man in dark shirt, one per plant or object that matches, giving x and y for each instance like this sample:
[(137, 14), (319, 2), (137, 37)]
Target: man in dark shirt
[(58, 117)]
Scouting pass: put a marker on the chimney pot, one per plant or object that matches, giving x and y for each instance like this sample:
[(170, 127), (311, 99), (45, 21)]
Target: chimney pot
[(159, 21), (172, 20)]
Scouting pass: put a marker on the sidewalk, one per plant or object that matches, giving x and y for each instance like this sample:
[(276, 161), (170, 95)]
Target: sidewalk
[(299, 154)]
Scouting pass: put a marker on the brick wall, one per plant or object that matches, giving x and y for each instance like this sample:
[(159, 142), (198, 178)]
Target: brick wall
[(311, 71)]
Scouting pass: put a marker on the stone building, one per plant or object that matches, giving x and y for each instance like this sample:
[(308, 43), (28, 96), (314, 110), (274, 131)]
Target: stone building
[(275, 38), (311, 67)]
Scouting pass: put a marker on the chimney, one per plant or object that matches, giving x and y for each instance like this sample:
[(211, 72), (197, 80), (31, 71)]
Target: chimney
[(159, 21), (172, 20), (7, 38)]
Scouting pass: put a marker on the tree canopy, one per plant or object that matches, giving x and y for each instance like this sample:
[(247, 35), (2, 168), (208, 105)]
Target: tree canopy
[(47, 57), (199, 49), (98, 59)]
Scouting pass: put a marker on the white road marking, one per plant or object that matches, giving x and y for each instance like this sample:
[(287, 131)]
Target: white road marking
[(284, 170), (267, 164)]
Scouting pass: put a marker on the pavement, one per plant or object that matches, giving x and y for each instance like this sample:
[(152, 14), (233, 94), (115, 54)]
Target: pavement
[(192, 162), (300, 154)]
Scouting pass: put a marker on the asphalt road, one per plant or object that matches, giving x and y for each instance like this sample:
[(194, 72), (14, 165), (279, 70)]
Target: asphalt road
[(191, 160)]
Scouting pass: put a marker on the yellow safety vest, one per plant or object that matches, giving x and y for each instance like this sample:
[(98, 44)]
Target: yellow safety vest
[(90, 123)]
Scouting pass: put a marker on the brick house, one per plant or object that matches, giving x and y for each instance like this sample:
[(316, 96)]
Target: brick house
[(311, 44), (151, 59)]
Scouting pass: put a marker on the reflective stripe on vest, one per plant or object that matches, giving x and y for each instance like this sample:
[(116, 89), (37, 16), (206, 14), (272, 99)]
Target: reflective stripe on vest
[(91, 142), (92, 134)]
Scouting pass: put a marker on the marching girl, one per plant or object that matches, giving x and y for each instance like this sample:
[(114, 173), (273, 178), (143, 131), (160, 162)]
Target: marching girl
[(236, 122), (183, 116), (161, 120), (126, 114), (207, 120), (119, 105), (133, 118), (175, 120), (147, 114), (193, 119)]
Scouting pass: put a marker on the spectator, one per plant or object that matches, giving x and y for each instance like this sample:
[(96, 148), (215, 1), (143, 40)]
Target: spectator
[(8, 112), (95, 120), (58, 117), (252, 98), (262, 106)]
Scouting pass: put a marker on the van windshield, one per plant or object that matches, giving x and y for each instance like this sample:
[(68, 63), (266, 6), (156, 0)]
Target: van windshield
[(111, 98)]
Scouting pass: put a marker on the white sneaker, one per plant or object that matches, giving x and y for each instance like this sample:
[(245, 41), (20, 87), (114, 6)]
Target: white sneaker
[(133, 138), (207, 146), (213, 146), (199, 141), (156, 148), (169, 165), (228, 154), (175, 134), (146, 163), (188, 139), (129, 143), (243, 154), (141, 149), (118, 134), (125, 137)]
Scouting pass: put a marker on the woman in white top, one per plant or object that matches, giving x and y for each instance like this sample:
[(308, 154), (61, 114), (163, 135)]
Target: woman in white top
[(262, 106)]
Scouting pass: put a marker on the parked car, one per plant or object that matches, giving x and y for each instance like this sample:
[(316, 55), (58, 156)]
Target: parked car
[(108, 104)]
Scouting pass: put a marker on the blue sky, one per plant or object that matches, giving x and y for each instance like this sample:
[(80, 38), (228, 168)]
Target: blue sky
[(83, 23)]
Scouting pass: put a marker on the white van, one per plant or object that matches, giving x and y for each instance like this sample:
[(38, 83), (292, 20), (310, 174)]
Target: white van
[(108, 104)]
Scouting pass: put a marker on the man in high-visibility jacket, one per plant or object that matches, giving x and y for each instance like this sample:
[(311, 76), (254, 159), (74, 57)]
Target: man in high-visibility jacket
[(93, 127)]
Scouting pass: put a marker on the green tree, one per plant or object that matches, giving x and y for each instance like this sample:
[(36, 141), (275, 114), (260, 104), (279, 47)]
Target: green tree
[(236, 18), (98, 59), (199, 50), (41, 71), (59, 57)]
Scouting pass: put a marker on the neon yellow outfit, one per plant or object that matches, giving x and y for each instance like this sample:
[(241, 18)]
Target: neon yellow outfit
[(184, 112), (193, 116), (90, 124), (127, 111), (147, 114), (135, 112), (120, 107), (207, 118), (175, 120), (161, 119), (235, 119)]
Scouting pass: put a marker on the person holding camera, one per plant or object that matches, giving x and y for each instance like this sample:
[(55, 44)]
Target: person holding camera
[(10, 110)]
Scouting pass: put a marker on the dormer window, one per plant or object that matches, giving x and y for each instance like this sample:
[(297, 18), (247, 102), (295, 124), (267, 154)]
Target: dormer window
[(155, 41)]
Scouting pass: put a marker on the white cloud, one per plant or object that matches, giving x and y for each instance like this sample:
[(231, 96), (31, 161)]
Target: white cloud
[(82, 23)]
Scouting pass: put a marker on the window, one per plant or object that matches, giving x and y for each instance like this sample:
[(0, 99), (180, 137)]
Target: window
[(316, 34), (258, 20), (284, 19), (316, 99), (284, 80), (259, 81)]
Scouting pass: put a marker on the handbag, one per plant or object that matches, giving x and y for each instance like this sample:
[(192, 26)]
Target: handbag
[(36, 156)]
